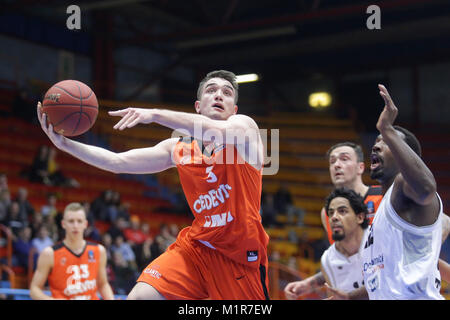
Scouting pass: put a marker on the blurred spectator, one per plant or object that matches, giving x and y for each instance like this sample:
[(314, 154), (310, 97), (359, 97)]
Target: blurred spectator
[(3, 182), (91, 233), (149, 251), (174, 229), (26, 210), (275, 256), (5, 203), (125, 249), (36, 222), (285, 206), (133, 234), (117, 209), (107, 243), (42, 240), (145, 228), (100, 205), (124, 274), (52, 217), (116, 228), (164, 239), (56, 176), (292, 263), (46, 170), (22, 247), (39, 168), (49, 209), (15, 222), (268, 211)]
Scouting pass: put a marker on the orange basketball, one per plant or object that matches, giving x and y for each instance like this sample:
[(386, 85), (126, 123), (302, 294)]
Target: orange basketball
[(71, 107)]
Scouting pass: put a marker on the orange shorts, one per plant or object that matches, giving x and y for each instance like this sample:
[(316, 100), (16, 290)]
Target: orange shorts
[(194, 271)]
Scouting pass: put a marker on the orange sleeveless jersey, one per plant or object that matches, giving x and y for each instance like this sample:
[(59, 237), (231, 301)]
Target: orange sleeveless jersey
[(74, 277), (372, 199), (225, 201)]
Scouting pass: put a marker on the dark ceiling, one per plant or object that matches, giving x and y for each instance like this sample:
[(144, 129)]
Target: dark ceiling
[(290, 38)]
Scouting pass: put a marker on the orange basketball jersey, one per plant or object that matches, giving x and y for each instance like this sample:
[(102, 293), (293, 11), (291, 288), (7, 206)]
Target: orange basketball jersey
[(224, 194), (372, 199), (74, 277)]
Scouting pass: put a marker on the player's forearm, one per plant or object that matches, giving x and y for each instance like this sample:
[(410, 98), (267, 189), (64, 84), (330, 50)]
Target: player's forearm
[(317, 280), (195, 124), (106, 292), (95, 156), (413, 169), (358, 294)]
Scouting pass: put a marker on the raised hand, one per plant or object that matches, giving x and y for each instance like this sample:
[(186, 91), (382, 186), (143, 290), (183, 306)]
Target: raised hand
[(131, 117), (390, 111), (56, 138)]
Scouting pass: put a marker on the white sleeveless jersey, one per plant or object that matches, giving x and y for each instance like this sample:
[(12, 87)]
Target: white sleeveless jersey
[(344, 273), (400, 260)]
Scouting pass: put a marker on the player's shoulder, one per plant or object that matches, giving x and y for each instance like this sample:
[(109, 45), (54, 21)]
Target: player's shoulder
[(327, 254), (47, 254)]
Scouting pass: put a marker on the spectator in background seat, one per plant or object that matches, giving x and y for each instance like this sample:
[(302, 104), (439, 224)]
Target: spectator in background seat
[(285, 206), (39, 169), (22, 247), (15, 222), (42, 240), (26, 210)]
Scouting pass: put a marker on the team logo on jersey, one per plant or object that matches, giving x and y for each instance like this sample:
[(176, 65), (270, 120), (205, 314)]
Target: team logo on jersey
[(252, 256), (91, 257), (373, 283), (218, 220), (153, 271), (62, 261), (370, 207)]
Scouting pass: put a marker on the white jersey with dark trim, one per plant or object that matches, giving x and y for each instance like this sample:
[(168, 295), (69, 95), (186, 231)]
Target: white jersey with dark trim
[(400, 260), (344, 273)]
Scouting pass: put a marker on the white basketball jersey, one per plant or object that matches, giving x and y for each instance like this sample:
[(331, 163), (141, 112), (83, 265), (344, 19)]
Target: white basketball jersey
[(344, 273), (400, 260)]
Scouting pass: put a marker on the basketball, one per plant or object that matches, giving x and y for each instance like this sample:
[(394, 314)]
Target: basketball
[(71, 107)]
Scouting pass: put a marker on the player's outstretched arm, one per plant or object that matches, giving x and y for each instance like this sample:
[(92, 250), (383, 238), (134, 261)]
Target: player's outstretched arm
[(417, 181), (44, 266), (240, 130), (195, 124), (144, 160)]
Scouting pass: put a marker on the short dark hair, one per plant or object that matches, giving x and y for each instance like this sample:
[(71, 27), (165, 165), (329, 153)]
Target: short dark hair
[(356, 147), (411, 140), (355, 200), (223, 74)]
